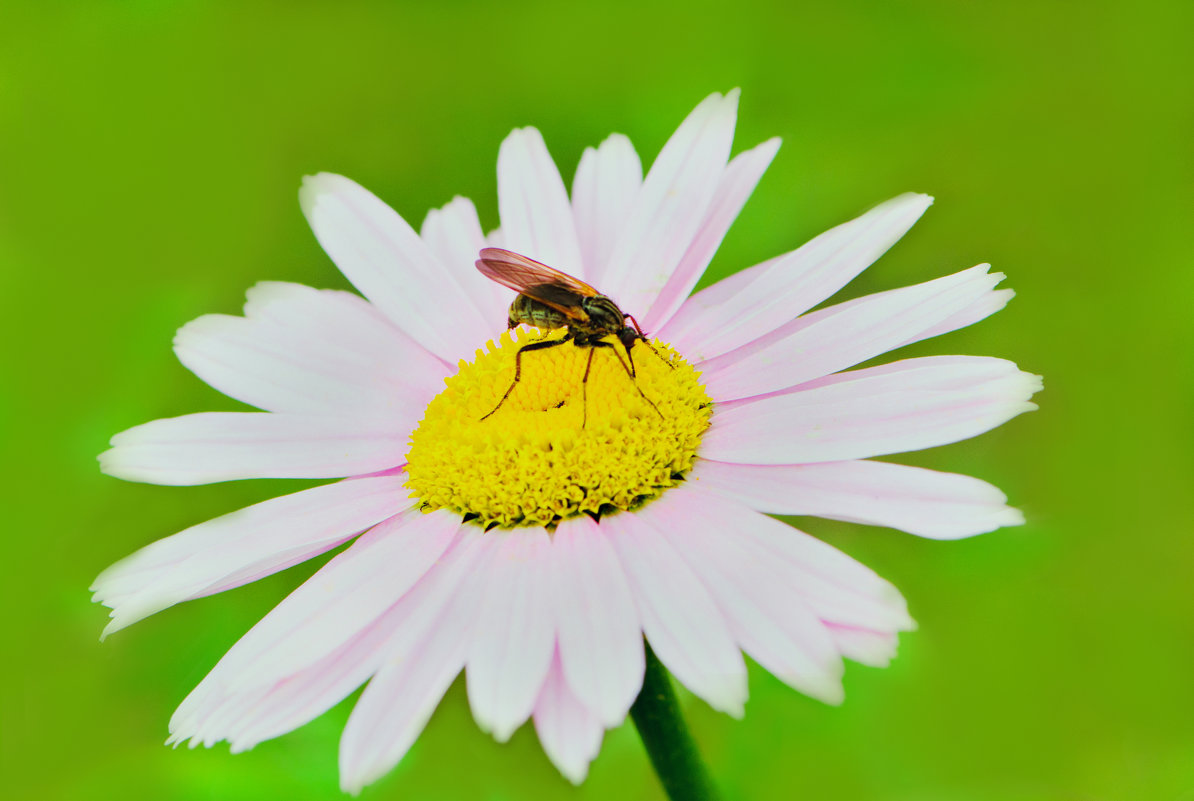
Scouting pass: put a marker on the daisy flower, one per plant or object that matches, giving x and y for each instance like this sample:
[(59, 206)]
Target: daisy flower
[(535, 547)]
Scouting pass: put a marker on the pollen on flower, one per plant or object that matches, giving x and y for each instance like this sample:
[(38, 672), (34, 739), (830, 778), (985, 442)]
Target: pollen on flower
[(553, 450)]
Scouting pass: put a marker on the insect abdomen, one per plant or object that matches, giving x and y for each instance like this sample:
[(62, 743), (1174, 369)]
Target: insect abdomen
[(531, 312)]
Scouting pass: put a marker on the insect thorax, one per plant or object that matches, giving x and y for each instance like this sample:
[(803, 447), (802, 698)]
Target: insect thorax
[(604, 315)]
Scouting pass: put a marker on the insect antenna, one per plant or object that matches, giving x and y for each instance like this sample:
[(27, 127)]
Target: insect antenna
[(642, 338)]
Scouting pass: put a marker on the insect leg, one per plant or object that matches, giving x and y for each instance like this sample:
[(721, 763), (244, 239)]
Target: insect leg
[(584, 385), (518, 365), (628, 368)]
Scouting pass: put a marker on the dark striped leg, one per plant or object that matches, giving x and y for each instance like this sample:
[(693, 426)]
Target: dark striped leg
[(628, 368), (518, 365)]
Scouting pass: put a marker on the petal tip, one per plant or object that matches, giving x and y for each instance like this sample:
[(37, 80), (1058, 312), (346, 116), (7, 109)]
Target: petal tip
[(312, 187), (829, 692), (616, 140), (109, 461), (528, 134)]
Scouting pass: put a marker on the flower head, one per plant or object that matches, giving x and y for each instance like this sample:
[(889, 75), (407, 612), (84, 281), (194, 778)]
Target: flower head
[(530, 529)]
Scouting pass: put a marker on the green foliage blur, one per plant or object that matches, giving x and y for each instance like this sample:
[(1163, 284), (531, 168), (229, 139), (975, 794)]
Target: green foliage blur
[(150, 154)]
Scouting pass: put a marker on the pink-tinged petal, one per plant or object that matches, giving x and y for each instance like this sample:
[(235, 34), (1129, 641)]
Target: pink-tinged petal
[(387, 261), (601, 646), (247, 717), (793, 283), (395, 707), (536, 215), (735, 187), (454, 235), (515, 635), (924, 502), (244, 546), (311, 351), (224, 706), (606, 183), (844, 335), (757, 597), (867, 647), (904, 406), (224, 446), (569, 732), (685, 328), (667, 213), (211, 713), (837, 588), (681, 621), (981, 309), (309, 693), (399, 700), (346, 595), (361, 327)]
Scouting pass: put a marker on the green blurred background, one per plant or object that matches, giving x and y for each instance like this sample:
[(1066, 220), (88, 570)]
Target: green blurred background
[(150, 153)]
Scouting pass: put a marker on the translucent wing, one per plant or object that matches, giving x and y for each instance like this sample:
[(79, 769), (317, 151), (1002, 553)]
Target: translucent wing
[(524, 275)]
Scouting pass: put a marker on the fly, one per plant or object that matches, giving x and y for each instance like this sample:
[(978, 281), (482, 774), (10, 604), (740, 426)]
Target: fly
[(550, 299)]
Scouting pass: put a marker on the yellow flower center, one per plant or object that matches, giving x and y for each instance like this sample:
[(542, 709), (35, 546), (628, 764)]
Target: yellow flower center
[(558, 446)]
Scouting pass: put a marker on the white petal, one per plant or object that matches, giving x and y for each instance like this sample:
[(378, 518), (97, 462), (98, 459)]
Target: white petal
[(251, 716), (236, 701), (399, 700), (311, 351), (387, 261), (683, 624), (224, 446), (454, 235), (667, 214), (685, 328), (606, 183), (536, 216), (736, 185), (244, 546), (396, 705), (981, 309), (515, 637), (837, 588), (872, 648), (793, 283), (904, 406), (345, 596), (211, 713), (601, 646), (923, 502), (569, 732), (844, 335), (763, 608)]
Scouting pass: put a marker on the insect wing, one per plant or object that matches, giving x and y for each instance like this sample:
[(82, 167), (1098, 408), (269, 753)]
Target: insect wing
[(521, 274)]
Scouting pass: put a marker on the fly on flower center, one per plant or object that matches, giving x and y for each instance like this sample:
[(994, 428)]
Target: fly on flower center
[(554, 444)]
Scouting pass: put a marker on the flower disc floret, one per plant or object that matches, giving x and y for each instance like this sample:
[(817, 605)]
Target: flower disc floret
[(558, 446)]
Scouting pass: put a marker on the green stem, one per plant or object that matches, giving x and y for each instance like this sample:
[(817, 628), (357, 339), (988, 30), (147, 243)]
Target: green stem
[(673, 753)]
